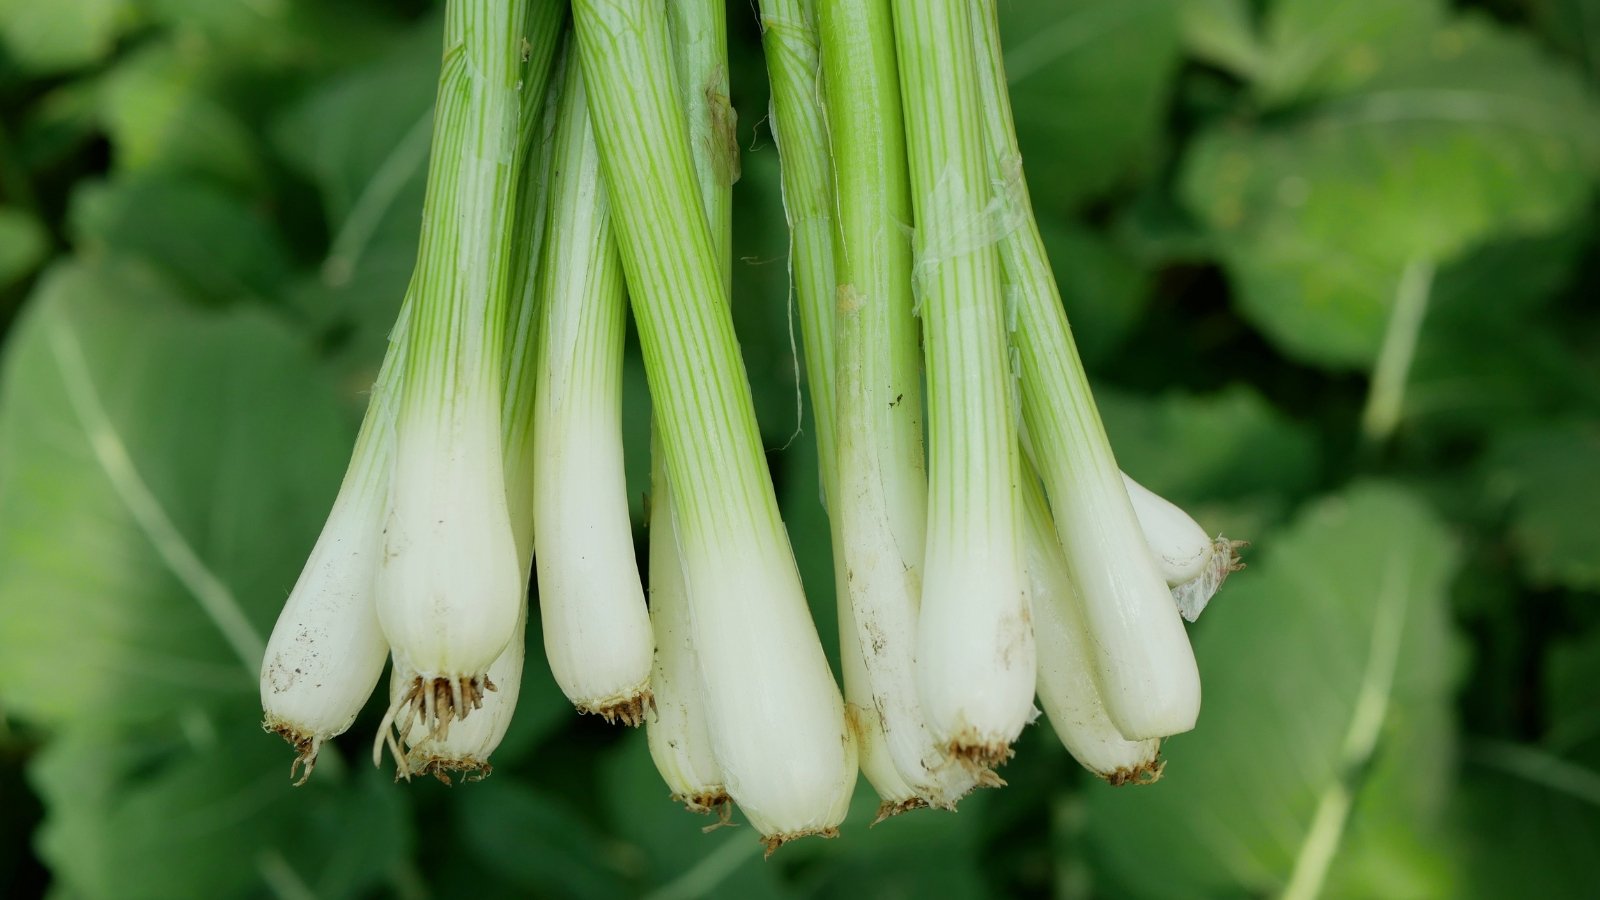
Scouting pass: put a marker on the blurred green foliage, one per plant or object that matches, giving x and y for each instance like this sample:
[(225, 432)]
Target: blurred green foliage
[(208, 214)]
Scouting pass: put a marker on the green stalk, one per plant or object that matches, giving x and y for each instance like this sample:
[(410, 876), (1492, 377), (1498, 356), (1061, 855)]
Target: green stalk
[(699, 31), (541, 89), (450, 590), (789, 40), (467, 746), (878, 495), (1146, 667), (974, 647), (776, 718), (597, 635), (679, 735)]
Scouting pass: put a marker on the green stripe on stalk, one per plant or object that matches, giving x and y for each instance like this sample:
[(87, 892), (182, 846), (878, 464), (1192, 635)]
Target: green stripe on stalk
[(879, 504), (467, 746), (776, 718), (450, 587), (679, 734), (790, 42), (541, 87), (1146, 667), (975, 648), (596, 628)]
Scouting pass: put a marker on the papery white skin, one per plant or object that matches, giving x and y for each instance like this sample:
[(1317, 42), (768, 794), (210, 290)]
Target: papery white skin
[(449, 588), (872, 745), (775, 714), (1181, 548), (327, 650), (782, 742), (1067, 686), (880, 549), (1193, 595), (969, 697), (597, 634), (679, 736)]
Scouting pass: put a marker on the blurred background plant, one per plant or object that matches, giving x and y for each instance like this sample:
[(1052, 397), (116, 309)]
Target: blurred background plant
[(1332, 265)]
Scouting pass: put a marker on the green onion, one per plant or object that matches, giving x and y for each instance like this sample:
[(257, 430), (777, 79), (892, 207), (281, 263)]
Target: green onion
[(449, 590), (596, 626), (879, 502), (679, 735), (1147, 669), (327, 652), (775, 715), (974, 643), (790, 44), (465, 748), (1069, 689)]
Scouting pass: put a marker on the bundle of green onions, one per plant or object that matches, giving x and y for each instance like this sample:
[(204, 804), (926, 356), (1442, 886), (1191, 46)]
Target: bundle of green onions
[(582, 164)]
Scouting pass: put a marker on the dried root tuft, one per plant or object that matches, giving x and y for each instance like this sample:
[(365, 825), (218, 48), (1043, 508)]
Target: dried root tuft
[(305, 747), (773, 841), (429, 705), (1144, 773), (888, 809), (628, 710)]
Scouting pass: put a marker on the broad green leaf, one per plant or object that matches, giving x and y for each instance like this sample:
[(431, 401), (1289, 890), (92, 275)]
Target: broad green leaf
[(1573, 25), (1551, 477), (1195, 448), (61, 34), (23, 245), (531, 840), (674, 857), (1492, 352), (922, 853), (1089, 83), (1529, 823), (285, 36), (163, 474), (203, 808), (1103, 289), (1572, 669), (363, 141), (1312, 48), (1326, 728), (202, 237), (1222, 32), (1470, 136), (164, 113)]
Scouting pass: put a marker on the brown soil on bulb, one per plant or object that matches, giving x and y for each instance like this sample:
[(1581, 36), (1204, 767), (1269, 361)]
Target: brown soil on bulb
[(467, 769), (888, 809), (1144, 773), (980, 754), (773, 841)]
